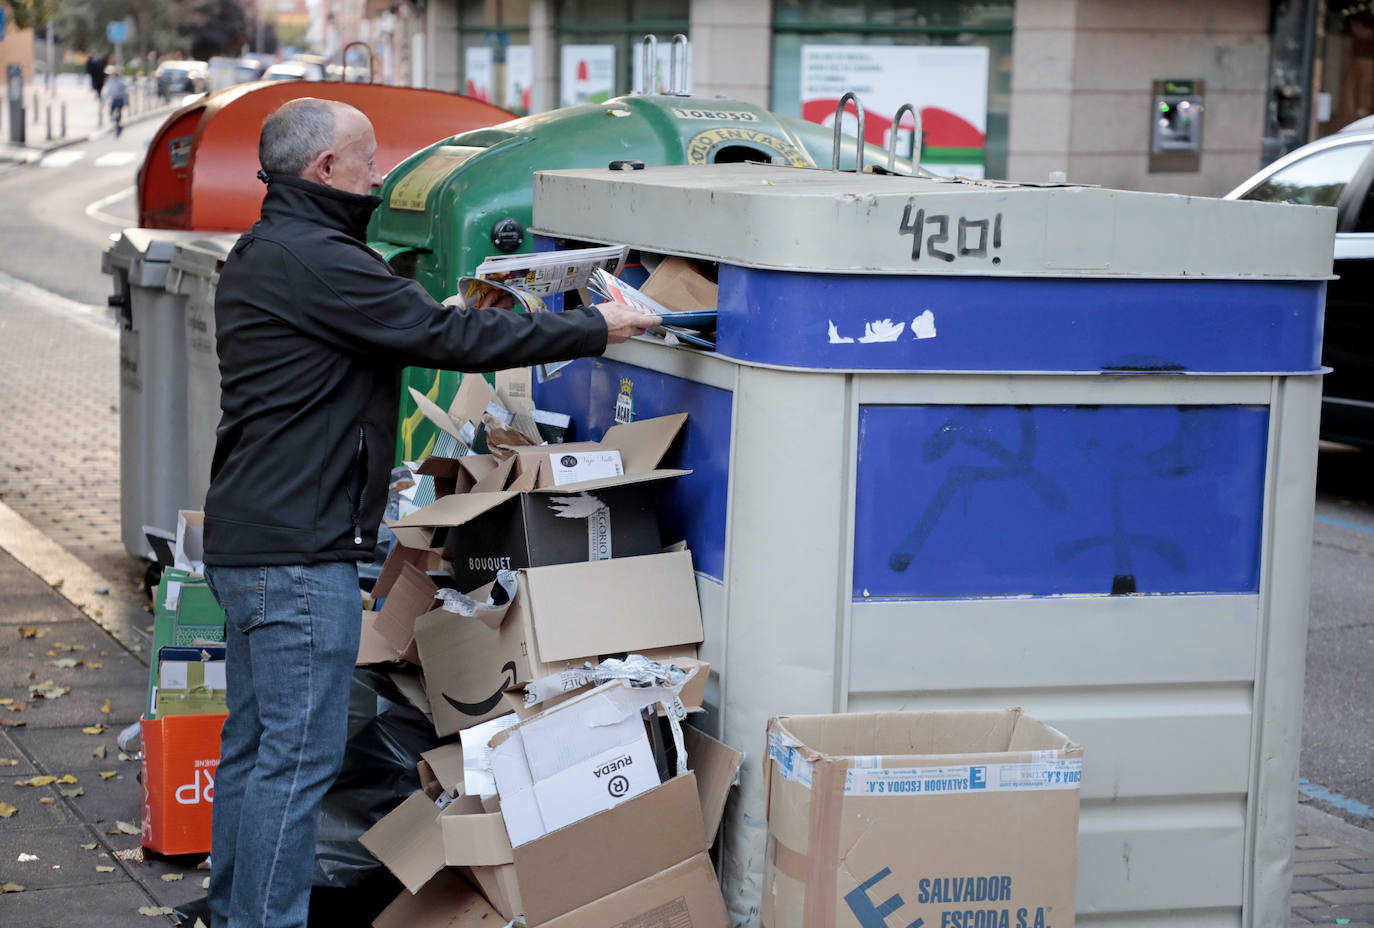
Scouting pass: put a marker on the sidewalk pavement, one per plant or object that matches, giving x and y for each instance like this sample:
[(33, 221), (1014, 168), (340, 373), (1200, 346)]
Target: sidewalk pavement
[(70, 595), (69, 112)]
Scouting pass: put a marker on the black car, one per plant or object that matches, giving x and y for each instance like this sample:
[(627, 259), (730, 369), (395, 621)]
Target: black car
[(180, 76), (1338, 171)]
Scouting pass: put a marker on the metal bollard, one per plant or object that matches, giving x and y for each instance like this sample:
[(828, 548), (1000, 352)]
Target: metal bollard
[(64, 119), (48, 120), (35, 107)]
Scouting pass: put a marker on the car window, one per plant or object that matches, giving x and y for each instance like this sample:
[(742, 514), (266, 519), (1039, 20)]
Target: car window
[(1317, 180)]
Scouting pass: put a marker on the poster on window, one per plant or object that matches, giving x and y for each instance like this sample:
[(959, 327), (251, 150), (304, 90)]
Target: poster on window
[(477, 73), (519, 79), (664, 71), (947, 85), (588, 74)]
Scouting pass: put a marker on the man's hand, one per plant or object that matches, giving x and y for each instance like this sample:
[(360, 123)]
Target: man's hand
[(624, 322)]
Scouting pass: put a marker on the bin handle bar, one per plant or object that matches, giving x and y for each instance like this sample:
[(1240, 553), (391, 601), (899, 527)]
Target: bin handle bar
[(915, 138), (648, 56), (859, 144), (679, 41), (371, 62)]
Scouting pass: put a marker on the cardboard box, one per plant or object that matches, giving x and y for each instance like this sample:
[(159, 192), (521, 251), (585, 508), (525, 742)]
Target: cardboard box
[(911, 818), (560, 616), (180, 756), (515, 517), (190, 681), (389, 634), (685, 894), (447, 901), (638, 857), (185, 614), (677, 285)]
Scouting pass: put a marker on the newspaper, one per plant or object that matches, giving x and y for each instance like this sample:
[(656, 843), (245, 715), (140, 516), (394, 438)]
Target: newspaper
[(614, 290), (552, 272)]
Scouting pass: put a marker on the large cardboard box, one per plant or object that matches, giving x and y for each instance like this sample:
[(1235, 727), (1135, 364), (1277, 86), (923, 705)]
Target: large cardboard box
[(561, 615), (957, 819), (185, 614), (389, 634), (180, 756), (644, 857), (513, 517)]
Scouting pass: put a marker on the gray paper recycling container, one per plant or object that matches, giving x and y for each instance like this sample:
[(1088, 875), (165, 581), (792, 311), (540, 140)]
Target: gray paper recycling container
[(152, 384), (194, 275), (974, 445)]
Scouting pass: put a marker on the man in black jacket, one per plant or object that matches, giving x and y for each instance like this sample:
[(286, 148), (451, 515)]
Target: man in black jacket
[(313, 328)]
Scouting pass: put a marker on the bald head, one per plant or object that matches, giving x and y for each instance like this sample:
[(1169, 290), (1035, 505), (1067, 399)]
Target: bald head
[(324, 141)]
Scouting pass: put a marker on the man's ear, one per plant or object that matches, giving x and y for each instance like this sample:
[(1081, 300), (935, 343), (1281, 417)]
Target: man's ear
[(321, 170)]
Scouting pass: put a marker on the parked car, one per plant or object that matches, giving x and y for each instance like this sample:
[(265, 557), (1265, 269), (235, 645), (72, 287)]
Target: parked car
[(1338, 171), (300, 68), (181, 76)]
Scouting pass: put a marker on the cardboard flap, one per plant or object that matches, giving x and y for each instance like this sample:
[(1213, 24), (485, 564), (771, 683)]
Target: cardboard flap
[(373, 648), (413, 689), (649, 833), (605, 607), (643, 444), (586, 486), (416, 536), (408, 841), (447, 901), (435, 466), (447, 763), (523, 482), (478, 465), (400, 555), (450, 511), (471, 399), (473, 837), (495, 479), (431, 411), (410, 596), (715, 765), (677, 285)]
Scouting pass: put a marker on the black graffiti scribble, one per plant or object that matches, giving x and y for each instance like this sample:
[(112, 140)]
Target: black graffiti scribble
[(966, 428), (1184, 453)]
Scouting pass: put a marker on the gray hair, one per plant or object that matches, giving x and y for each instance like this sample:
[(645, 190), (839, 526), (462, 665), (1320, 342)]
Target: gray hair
[(294, 134)]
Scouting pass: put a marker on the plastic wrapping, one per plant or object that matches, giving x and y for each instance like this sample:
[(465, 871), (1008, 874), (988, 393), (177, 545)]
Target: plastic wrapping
[(386, 735)]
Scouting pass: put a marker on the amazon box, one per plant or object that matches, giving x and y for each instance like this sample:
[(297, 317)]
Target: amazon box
[(516, 515), (909, 818), (645, 857), (560, 616)]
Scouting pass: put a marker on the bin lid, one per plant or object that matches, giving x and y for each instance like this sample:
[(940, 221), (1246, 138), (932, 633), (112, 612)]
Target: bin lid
[(201, 168), (148, 245), (203, 255), (802, 219)]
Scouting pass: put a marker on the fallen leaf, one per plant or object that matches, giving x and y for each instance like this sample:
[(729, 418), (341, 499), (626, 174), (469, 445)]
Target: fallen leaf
[(106, 708), (48, 690), (29, 632), (72, 793), (5, 702), (126, 828), (11, 888), (16, 707), (154, 910), (37, 781), (27, 858), (171, 877), (67, 778), (106, 774), (102, 869), (94, 665), (65, 663), (88, 847), (12, 723), (57, 584), (47, 800), (94, 729), (6, 810), (99, 752), (8, 762)]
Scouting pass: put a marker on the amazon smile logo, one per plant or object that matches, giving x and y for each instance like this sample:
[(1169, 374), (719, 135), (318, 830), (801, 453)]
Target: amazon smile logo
[(486, 705)]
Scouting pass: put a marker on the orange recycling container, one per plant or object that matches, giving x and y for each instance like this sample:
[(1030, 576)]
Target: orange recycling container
[(200, 172)]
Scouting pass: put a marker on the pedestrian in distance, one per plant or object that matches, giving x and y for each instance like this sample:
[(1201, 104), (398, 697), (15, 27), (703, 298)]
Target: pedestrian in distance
[(95, 69), (312, 329), (117, 92)]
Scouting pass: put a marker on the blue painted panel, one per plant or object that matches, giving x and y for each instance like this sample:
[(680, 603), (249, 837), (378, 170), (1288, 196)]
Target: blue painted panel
[(694, 506), (1019, 324), (1002, 500)]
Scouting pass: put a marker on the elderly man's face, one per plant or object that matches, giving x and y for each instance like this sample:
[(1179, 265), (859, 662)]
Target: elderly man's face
[(354, 167)]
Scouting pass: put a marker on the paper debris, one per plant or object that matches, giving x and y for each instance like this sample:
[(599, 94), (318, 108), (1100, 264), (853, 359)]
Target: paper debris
[(104, 869), (72, 793), (152, 911), (66, 663), (171, 877), (26, 858), (204, 884), (48, 690), (99, 752), (11, 888)]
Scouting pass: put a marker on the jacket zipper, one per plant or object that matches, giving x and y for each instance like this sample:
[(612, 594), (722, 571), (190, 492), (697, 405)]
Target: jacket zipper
[(358, 501)]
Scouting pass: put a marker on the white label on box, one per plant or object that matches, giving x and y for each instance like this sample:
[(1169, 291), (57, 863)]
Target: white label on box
[(173, 675), (967, 778), (791, 763), (214, 676), (595, 785), (866, 762), (576, 466)]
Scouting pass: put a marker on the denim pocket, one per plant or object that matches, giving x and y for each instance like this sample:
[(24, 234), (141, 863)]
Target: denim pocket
[(241, 594)]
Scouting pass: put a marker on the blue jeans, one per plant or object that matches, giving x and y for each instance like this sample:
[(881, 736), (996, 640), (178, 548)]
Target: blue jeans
[(292, 638)]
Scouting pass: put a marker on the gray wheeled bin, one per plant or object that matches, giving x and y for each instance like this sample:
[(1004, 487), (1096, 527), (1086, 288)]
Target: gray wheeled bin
[(152, 379), (976, 445), (194, 275)]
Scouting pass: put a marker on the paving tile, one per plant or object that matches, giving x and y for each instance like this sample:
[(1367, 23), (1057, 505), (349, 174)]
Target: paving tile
[(61, 860), (9, 751), (1300, 901), (33, 812), (1327, 853), (1347, 896), (1318, 867), (114, 906), (1307, 884), (1352, 880), (1362, 866), (1310, 841), (63, 750)]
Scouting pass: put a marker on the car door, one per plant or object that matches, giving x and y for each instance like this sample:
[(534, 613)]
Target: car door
[(1348, 407)]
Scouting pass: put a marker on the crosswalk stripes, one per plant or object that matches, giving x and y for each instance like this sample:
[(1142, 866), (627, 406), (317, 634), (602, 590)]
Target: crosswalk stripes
[(115, 159), (66, 157), (62, 158)]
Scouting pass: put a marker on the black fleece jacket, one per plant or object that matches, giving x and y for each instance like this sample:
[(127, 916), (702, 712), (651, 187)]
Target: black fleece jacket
[(313, 328)]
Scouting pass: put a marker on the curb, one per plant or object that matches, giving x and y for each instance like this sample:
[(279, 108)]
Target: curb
[(13, 154)]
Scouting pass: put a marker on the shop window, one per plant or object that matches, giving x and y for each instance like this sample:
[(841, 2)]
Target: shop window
[(950, 58), (497, 64), (600, 54)]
